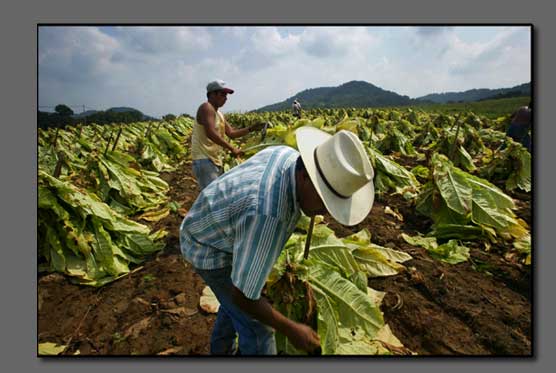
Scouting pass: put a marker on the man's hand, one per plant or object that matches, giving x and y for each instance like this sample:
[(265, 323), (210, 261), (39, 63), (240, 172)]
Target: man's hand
[(300, 335), (257, 126), (237, 152), (303, 338)]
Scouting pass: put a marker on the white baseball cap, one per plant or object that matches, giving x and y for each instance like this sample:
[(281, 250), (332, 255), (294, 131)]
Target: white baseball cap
[(218, 85)]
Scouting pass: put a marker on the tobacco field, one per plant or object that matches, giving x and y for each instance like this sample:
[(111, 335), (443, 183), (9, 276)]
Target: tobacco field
[(441, 266)]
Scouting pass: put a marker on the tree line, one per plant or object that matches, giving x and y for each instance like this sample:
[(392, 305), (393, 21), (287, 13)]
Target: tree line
[(63, 116)]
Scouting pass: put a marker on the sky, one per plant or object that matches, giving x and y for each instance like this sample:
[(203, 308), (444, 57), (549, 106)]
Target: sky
[(165, 69)]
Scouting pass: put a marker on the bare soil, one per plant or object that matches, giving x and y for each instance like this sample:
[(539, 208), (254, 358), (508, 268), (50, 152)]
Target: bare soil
[(479, 307)]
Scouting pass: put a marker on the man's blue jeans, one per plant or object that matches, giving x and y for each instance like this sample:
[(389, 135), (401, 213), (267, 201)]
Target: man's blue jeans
[(255, 338), (205, 171)]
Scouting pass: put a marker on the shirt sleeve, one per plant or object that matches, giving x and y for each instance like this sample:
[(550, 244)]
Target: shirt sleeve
[(258, 242)]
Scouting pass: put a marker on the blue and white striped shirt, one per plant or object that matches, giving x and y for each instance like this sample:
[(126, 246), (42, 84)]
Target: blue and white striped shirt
[(244, 218)]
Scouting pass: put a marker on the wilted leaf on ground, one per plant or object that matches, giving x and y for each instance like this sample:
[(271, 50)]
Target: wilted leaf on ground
[(136, 328), (208, 301), (49, 348), (389, 211)]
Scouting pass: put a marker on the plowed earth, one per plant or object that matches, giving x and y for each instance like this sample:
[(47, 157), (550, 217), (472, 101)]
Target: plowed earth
[(479, 307)]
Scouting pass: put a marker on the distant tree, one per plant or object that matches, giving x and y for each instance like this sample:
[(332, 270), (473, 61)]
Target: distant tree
[(169, 117), (63, 110)]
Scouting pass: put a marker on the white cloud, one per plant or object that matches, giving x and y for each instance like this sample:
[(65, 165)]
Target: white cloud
[(162, 70), (505, 59), (269, 42), (75, 53), (337, 42), (151, 41)]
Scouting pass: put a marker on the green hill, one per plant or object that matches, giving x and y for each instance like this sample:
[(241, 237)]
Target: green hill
[(351, 94), (478, 94)]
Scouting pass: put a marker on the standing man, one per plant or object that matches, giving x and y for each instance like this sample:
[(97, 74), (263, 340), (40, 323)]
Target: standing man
[(239, 224), (296, 109), (520, 126), (207, 138)]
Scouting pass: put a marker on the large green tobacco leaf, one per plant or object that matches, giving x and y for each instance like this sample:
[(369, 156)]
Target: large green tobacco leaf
[(521, 175), (344, 302), (84, 238), (458, 155), (453, 187), (484, 215), (391, 254), (355, 308), (462, 232), (378, 261), (428, 243), (511, 166), (450, 252), (424, 201), (322, 235), (86, 205), (335, 256), (361, 238), (482, 189), (374, 259), (106, 253), (137, 190), (388, 174), (447, 200), (327, 323), (396, 141), (360, 279), (394, 170), (153, 157), (440, 212)]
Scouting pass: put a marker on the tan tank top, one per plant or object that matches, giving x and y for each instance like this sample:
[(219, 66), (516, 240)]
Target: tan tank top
[(204, 148)]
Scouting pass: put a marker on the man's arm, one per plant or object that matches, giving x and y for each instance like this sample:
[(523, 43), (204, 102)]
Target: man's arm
[(235, 133), (205, 116), (300, 335)]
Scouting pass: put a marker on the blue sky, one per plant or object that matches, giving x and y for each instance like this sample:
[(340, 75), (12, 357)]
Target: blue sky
[(165, 69)]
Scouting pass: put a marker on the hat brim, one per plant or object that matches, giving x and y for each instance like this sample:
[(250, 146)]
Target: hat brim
[(347, 211), (226, 90)]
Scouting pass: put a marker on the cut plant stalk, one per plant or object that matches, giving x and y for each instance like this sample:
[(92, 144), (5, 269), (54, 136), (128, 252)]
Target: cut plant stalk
[(455, 141), (55, 137), (58, 168), (148, 130), (308, 240), (117, 138), (108, 143)]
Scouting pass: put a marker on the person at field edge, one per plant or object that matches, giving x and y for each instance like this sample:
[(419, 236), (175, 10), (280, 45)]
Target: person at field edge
[(237, 227), (296, 109), (207, 138), (520, 126)]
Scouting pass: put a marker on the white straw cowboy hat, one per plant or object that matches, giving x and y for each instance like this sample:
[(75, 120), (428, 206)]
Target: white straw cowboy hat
[(340, 171)]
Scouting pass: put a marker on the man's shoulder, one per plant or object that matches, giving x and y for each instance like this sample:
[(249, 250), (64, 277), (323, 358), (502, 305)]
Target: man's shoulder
[(205, 108), (277, 156), (281, 150)]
